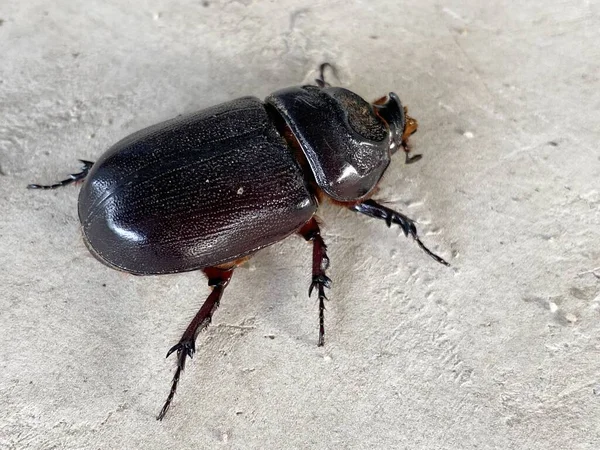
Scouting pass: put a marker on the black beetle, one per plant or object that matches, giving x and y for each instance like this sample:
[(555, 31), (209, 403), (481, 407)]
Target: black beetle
[(206, 190)]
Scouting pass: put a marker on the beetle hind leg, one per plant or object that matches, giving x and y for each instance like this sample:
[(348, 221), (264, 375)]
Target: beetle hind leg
[(373, 209), (218, 279), (74, 177), (311, 232)]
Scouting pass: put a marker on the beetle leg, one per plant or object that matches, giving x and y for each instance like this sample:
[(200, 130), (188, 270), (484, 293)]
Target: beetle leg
[(218, 279), (373, 209), (409, 129), (311, 232), (80, 176), (409, 159), (411, 126), (321, 80)]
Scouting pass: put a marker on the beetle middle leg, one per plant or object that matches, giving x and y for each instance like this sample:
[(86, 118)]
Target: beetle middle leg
[(218, 279), (74, 177), (311, 232), (373, 209)]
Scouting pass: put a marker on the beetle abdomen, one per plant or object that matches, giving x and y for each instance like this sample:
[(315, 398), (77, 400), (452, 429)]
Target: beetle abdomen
[(193, 192)]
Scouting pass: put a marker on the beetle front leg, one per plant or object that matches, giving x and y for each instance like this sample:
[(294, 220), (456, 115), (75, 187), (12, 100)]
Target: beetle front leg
[(373, 209), (321, 80), (411, 128), (311, 232), (74, 177), (218, 279)]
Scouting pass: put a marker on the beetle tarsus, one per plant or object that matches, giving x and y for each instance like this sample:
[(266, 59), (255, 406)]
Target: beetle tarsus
[(311, 232), (218, 279), (319, 280), (181, 355), (409, 159), (321, 80), (373, 209), (187, 347), (74, 177)]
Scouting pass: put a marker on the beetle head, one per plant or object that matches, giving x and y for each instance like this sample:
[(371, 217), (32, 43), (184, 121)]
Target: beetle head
[(401, 125)]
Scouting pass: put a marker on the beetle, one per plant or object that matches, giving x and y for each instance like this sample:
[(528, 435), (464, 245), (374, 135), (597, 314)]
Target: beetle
[(205, 191)]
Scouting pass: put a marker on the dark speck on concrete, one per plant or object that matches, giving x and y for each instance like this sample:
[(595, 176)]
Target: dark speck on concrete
[(553, 143), (206, 4)]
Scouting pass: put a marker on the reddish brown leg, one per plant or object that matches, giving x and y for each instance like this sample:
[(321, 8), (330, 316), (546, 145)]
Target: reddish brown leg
[(311, 232), (218, 279)]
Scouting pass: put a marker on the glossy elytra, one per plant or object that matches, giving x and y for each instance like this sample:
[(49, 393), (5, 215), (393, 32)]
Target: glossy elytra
[(207, 190)]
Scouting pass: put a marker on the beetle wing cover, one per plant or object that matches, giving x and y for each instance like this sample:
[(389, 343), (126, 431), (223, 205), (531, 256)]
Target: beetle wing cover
[(193, 192)]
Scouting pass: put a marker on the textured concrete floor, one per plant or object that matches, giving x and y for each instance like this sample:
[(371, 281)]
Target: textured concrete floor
[(501, 351)]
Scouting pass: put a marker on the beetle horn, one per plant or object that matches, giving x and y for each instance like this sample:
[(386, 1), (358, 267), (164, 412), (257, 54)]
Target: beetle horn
[(392, 112)]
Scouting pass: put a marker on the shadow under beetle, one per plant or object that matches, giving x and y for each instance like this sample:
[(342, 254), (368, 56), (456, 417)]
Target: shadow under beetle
[(206, 190)]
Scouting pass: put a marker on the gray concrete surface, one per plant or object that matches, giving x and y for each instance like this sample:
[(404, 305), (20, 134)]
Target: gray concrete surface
[(501, 351)]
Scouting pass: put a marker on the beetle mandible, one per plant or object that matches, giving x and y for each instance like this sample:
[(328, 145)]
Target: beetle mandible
[(206, 190)]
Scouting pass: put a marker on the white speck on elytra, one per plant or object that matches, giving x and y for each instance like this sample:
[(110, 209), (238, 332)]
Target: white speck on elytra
[(240, 191)]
